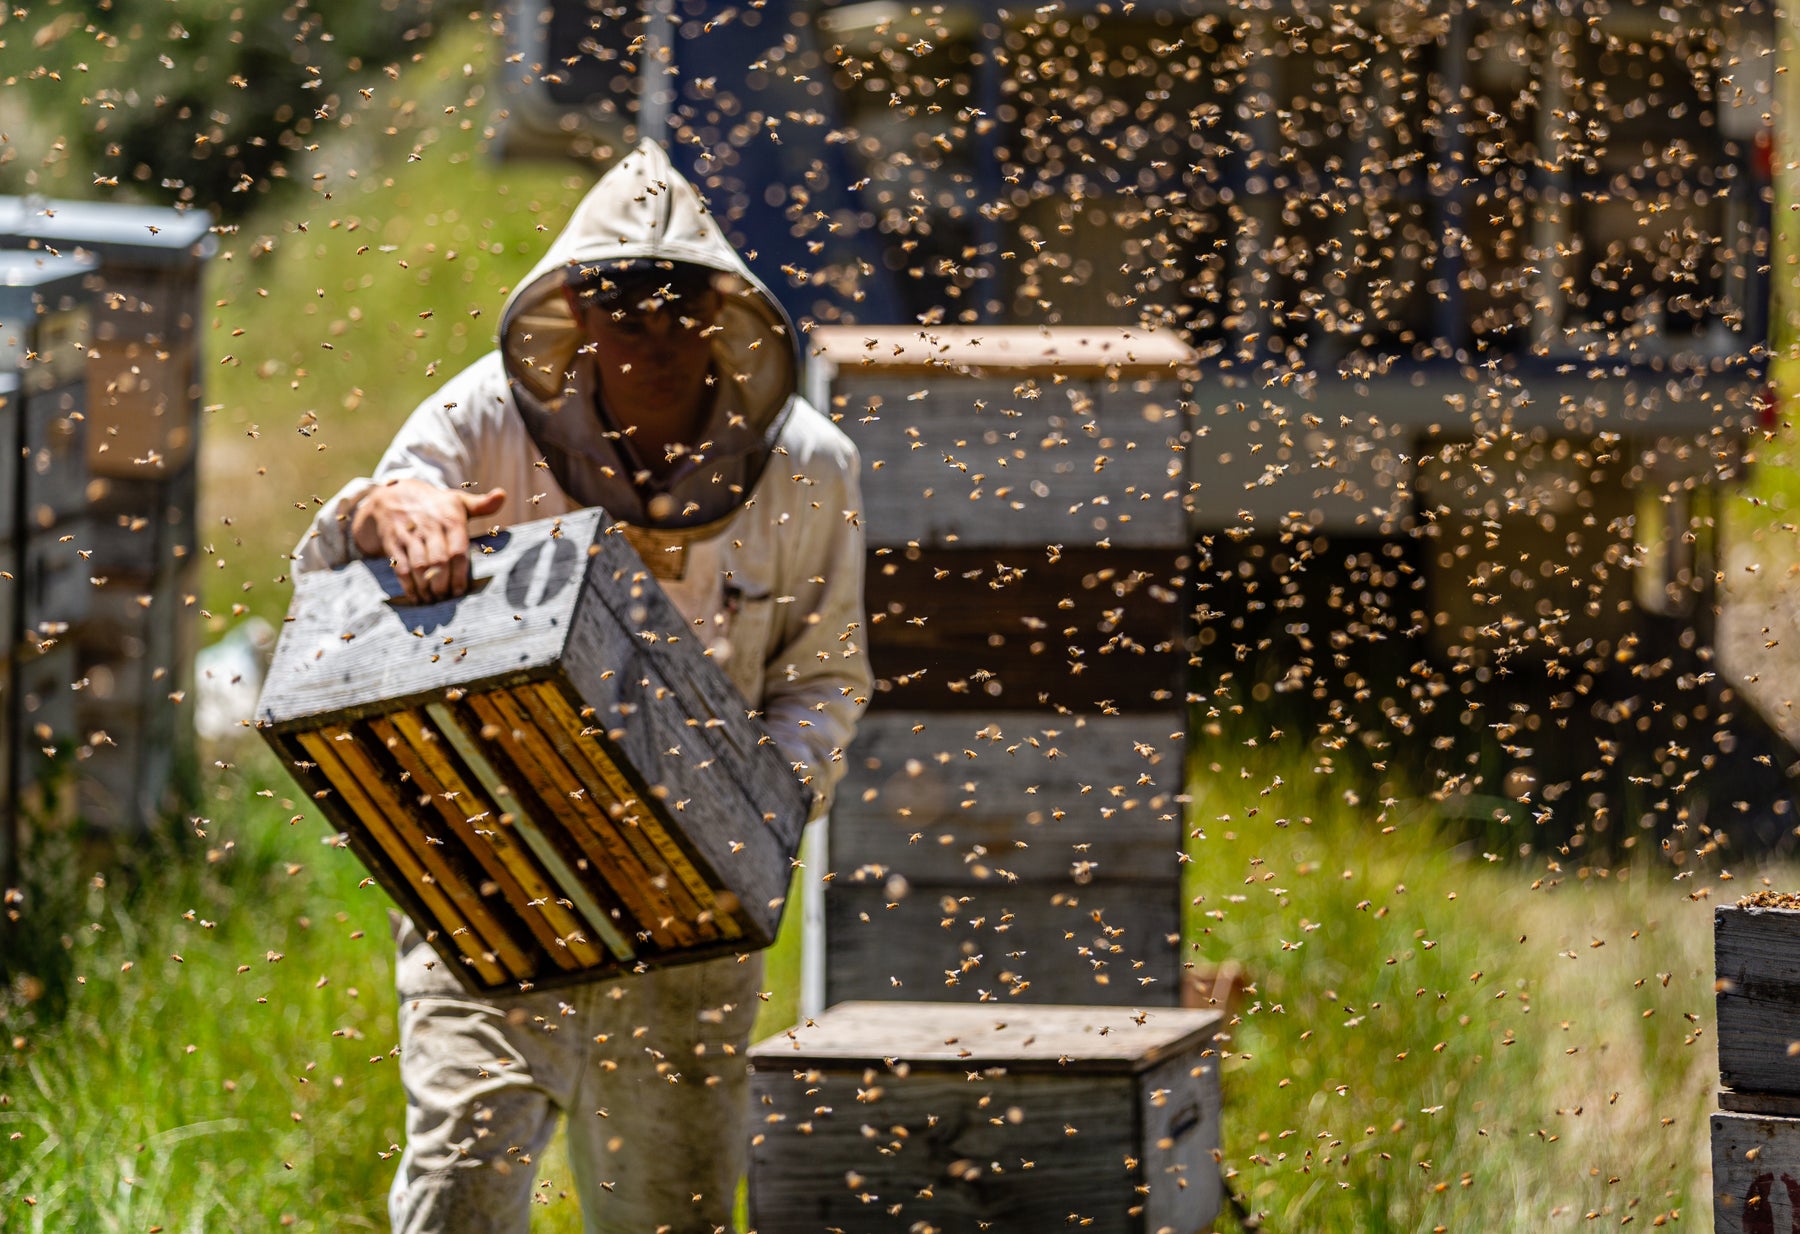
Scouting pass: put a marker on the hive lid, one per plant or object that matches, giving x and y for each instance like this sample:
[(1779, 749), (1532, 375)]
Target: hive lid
[(349, 644), (1068, 351), (36, 270), (134, 235), (975, 1036)]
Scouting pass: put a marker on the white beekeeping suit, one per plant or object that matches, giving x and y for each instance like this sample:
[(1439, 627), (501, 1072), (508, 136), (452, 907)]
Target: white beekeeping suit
[(756, 538)]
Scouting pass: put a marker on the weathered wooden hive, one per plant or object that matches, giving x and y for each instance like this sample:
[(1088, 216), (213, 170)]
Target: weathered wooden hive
[(1756, 1131), (138, 485), (549, 773), (1010, 822), (44, 593), (886, 1118)]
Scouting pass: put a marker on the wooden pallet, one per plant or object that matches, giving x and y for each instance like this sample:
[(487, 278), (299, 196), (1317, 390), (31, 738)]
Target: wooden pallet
[(549, 774)]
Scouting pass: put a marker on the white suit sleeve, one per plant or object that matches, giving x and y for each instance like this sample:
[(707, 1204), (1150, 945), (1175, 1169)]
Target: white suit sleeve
[(436, 444), (817, 680)]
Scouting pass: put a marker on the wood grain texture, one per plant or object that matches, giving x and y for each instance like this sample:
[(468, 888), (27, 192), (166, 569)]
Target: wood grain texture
[(597, 752), (1108, 942), (1759, 1103), (1019, 462), (993, 797), (1757, 959), (1089, 1039), (961, 1118), (1756, 1174), (1178, 1121), (1087, 629)]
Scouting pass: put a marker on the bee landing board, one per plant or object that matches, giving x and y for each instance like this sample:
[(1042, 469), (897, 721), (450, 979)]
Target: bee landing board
[(548, 773)]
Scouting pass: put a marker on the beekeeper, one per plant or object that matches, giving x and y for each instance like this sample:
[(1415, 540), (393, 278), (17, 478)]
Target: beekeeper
[(642, 368)]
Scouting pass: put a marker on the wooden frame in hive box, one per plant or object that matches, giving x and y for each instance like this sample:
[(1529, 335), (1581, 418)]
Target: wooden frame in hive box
[(549, 773)]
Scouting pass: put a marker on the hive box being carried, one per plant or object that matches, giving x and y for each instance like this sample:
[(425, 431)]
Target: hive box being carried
[(892, 1118), (548, 773)]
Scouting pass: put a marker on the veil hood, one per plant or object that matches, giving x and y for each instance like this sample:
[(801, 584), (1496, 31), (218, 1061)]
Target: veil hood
[(644, 210)]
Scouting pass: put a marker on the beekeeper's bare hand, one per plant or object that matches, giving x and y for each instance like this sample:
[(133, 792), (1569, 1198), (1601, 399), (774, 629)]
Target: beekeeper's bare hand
[(423, 530)]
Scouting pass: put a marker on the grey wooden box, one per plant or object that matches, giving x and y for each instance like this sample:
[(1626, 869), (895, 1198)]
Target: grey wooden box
[(144, 373), (136, 650), (45, 318), (1757, 960), (1756, 1173), (1013, 436), (58, 583), (1005, 853), (56, 480), (549, 773), (883, 1118)]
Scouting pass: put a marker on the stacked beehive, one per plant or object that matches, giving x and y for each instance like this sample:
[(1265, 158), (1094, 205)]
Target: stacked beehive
[(1756, 1134), (44, 324), (135, 478), (1010, 822)]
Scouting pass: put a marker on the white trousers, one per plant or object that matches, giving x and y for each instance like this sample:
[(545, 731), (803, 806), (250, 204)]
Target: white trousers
[(650, 1070)]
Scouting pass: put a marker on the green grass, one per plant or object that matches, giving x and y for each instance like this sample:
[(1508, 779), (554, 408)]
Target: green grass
[(249, 1083), (1433, 1038), (1442, 1035)]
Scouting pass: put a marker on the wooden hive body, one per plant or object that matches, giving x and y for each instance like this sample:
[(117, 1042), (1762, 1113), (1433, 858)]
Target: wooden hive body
[(138, 466), (45, 305), (1756, 1133), (1026, 505), (548, 773), (974, 838), (883, 1118)]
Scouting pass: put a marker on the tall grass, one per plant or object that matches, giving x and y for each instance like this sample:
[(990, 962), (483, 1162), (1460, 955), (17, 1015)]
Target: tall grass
[(1444, 1036), (224, 1058)]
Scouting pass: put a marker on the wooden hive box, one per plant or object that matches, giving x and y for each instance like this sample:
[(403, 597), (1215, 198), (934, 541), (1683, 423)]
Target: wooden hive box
[(1757, 960), (878, 1118), (994, 846), (1014, 437), (1756, 1173), (45, 330), (137, 649), (1756, 1133), (143, 376), (1027, 511), (549, 774)]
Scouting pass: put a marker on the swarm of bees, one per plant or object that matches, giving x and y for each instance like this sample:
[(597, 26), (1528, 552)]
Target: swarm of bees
[(1306, 448)]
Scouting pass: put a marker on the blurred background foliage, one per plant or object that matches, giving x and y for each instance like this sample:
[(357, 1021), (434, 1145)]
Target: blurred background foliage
[(208, 104)]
